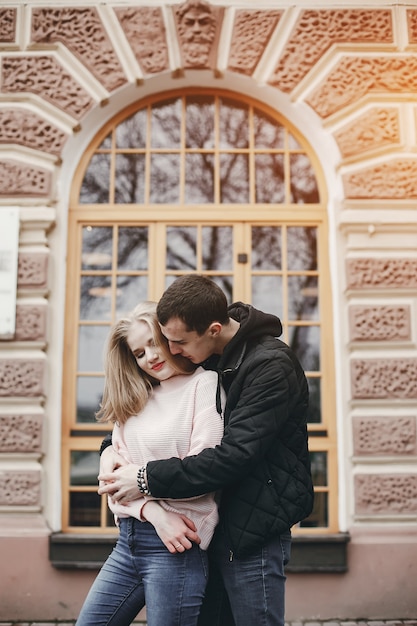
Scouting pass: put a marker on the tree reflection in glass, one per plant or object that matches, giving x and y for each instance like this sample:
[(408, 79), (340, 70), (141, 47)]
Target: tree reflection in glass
[(96, 182), (165, 179), (166, 124), (129, 186), (217, 248), (181, 252), (199, 178), (303, 183), (234, 178)]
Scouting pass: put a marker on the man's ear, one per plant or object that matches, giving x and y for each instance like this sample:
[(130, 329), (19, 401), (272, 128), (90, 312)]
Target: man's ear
[(215, 329)]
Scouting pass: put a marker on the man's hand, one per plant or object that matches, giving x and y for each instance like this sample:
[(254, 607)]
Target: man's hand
[(117, 477), (177, 532)]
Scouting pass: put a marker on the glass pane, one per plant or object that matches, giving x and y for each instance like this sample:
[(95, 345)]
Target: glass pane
[(132, 248), (131, 133), (181, 248), (319, 517), (234, 124), (95, 298), (85, 509), (267, 294), (234, 178), (96, 247), (266, 248), (314, 413), (199, 128), (302, 248), (217, 248), (130, 291), (84, 467), (319, 468), (130, 179), (303, 298), (106, 143), (303, 182), (166, 124), (269, 178), (91, 341), (199, 178), (96, 182), (89, 394), (305, 341), (293, 143), (226, 284), (268, 132), (165, 178)]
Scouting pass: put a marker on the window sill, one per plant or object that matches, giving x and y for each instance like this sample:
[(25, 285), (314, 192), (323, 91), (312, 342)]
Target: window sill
[(309, 553)]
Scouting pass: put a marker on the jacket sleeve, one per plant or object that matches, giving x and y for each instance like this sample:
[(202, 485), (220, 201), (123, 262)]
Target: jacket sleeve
[(259, 413)]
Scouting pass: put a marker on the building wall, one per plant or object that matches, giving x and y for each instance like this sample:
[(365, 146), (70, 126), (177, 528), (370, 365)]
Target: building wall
[(346, 76)]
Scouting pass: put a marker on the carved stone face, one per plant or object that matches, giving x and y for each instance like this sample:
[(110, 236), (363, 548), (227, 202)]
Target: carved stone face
[(197, 26)]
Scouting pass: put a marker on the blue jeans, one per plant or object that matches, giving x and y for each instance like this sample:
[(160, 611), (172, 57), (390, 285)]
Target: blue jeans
[(140, 571), (246, 591)]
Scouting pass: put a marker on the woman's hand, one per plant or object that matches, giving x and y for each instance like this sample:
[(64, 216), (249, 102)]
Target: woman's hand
[(117, 477), (177, 532)]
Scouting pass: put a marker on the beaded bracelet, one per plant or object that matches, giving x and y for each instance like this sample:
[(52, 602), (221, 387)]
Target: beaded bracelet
[(142, 485)]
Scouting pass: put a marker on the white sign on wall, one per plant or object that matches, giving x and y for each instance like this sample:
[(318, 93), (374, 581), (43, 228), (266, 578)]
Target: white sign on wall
[(9, 245)]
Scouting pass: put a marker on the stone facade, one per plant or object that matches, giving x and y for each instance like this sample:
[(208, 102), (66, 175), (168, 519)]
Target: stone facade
[(348, 71)]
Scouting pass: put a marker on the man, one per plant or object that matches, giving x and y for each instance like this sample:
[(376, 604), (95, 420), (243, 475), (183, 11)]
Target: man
[(262, 465)]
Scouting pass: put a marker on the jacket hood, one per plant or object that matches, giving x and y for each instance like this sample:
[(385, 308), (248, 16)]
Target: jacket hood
[(253, 324)]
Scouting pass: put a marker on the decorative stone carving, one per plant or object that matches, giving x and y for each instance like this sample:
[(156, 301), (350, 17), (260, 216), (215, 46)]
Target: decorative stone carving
[(45, 77), (384, 379), (81, 30), (20, 488), (379, 323), (377, 128), (396, 179), (317, 30), (7, 25), (32, 270), (18, 179), (30, 322), (412, 25), (384, 435), (145, 30), (198, 26), (355, 77), (28, 129), (363, 273), (386, 494), (251, 33), (22, 378), (20, 433)]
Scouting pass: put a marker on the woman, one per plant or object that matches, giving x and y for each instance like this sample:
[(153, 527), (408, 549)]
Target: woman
[(159, 409)]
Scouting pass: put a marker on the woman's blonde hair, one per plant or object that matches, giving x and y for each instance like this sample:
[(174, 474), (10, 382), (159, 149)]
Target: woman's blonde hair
[(127, 387)]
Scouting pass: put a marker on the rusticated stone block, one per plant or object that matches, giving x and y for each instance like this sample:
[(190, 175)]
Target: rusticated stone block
[(381, 436), (375, 129), (198, 25), (412, 25), (21, 433), (30, 322), (81, 30), (150, 49), (317, 30), (20, 180), (384, 378), (22, 378), (32, 270), (396, 179), (386, 494), (7, 25), (379, 323), (355, 77), (25, 128), (384, 273), (20, 488), (252, 31), (46, 78)]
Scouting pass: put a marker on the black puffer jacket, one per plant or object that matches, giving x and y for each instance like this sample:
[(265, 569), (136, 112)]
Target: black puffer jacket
[(262, 465)]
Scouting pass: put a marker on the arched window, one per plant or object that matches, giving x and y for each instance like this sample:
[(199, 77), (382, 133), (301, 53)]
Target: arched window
[(195, 181)]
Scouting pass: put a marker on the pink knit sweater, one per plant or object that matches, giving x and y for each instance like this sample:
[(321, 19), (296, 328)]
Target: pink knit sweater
[(179, 419)]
